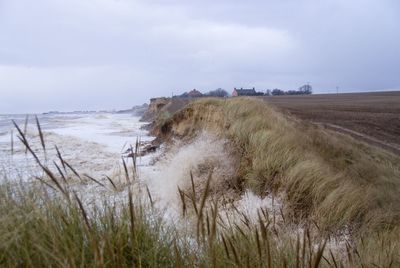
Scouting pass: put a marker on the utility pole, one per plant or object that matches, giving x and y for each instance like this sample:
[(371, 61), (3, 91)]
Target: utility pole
[(337, 90)]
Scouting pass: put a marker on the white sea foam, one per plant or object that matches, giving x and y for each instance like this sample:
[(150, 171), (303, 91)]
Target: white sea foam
[(173, 170), (91, 143), (250, 204)]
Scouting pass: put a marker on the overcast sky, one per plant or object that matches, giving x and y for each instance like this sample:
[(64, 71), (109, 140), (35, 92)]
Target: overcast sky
[(95, 54)]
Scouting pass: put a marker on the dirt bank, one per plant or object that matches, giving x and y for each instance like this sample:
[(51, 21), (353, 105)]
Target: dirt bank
[(160, 107)]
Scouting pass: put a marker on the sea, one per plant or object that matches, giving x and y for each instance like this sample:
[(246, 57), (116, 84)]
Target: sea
[(92, 143), (96, 144)]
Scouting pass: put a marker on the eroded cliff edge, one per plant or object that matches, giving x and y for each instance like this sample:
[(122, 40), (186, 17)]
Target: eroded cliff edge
[(324, 177)]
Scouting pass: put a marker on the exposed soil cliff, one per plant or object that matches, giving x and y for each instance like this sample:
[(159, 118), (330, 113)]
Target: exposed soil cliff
[(163, 107)]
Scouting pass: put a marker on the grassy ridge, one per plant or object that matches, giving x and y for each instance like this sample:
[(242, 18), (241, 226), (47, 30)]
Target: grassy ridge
[(329, 178)]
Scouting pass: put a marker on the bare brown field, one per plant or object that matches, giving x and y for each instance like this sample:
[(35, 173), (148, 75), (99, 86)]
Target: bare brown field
[(372, 117)]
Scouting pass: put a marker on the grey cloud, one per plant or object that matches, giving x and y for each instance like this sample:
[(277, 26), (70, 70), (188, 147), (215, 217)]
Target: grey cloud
[(84, 54)]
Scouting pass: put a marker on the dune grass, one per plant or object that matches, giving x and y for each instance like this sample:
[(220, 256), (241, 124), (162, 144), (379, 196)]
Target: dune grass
[(327, 177), (42, 228), (42, 231), (332, 181)]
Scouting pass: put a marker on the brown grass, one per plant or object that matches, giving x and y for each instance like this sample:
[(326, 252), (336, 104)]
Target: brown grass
[(330, 178), (54, 227)]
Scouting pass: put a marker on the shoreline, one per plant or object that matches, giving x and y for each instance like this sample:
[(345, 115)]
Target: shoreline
[(233, 175)]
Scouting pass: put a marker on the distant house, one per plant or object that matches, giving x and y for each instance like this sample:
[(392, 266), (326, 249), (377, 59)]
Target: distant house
[(245, 92), (194, 94)]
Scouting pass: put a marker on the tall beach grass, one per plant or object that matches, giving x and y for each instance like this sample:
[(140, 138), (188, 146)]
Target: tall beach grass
[(331, 183), (326, 177)]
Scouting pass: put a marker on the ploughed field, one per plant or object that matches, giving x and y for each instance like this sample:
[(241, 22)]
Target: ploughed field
[(372, 117)]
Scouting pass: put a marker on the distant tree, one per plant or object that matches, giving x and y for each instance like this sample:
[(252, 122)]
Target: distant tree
[(277, 92), (184, 95), (305, 90), (292, 92), (219, 92)]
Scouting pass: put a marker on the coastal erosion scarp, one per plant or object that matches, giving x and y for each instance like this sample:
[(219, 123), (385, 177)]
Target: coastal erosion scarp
[(204, 157), (324, 178), (195, 150)]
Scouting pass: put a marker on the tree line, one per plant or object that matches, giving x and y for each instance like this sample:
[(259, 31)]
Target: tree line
[(303, 90)]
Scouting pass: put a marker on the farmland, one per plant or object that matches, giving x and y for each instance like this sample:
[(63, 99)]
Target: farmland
[(372, 117)]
